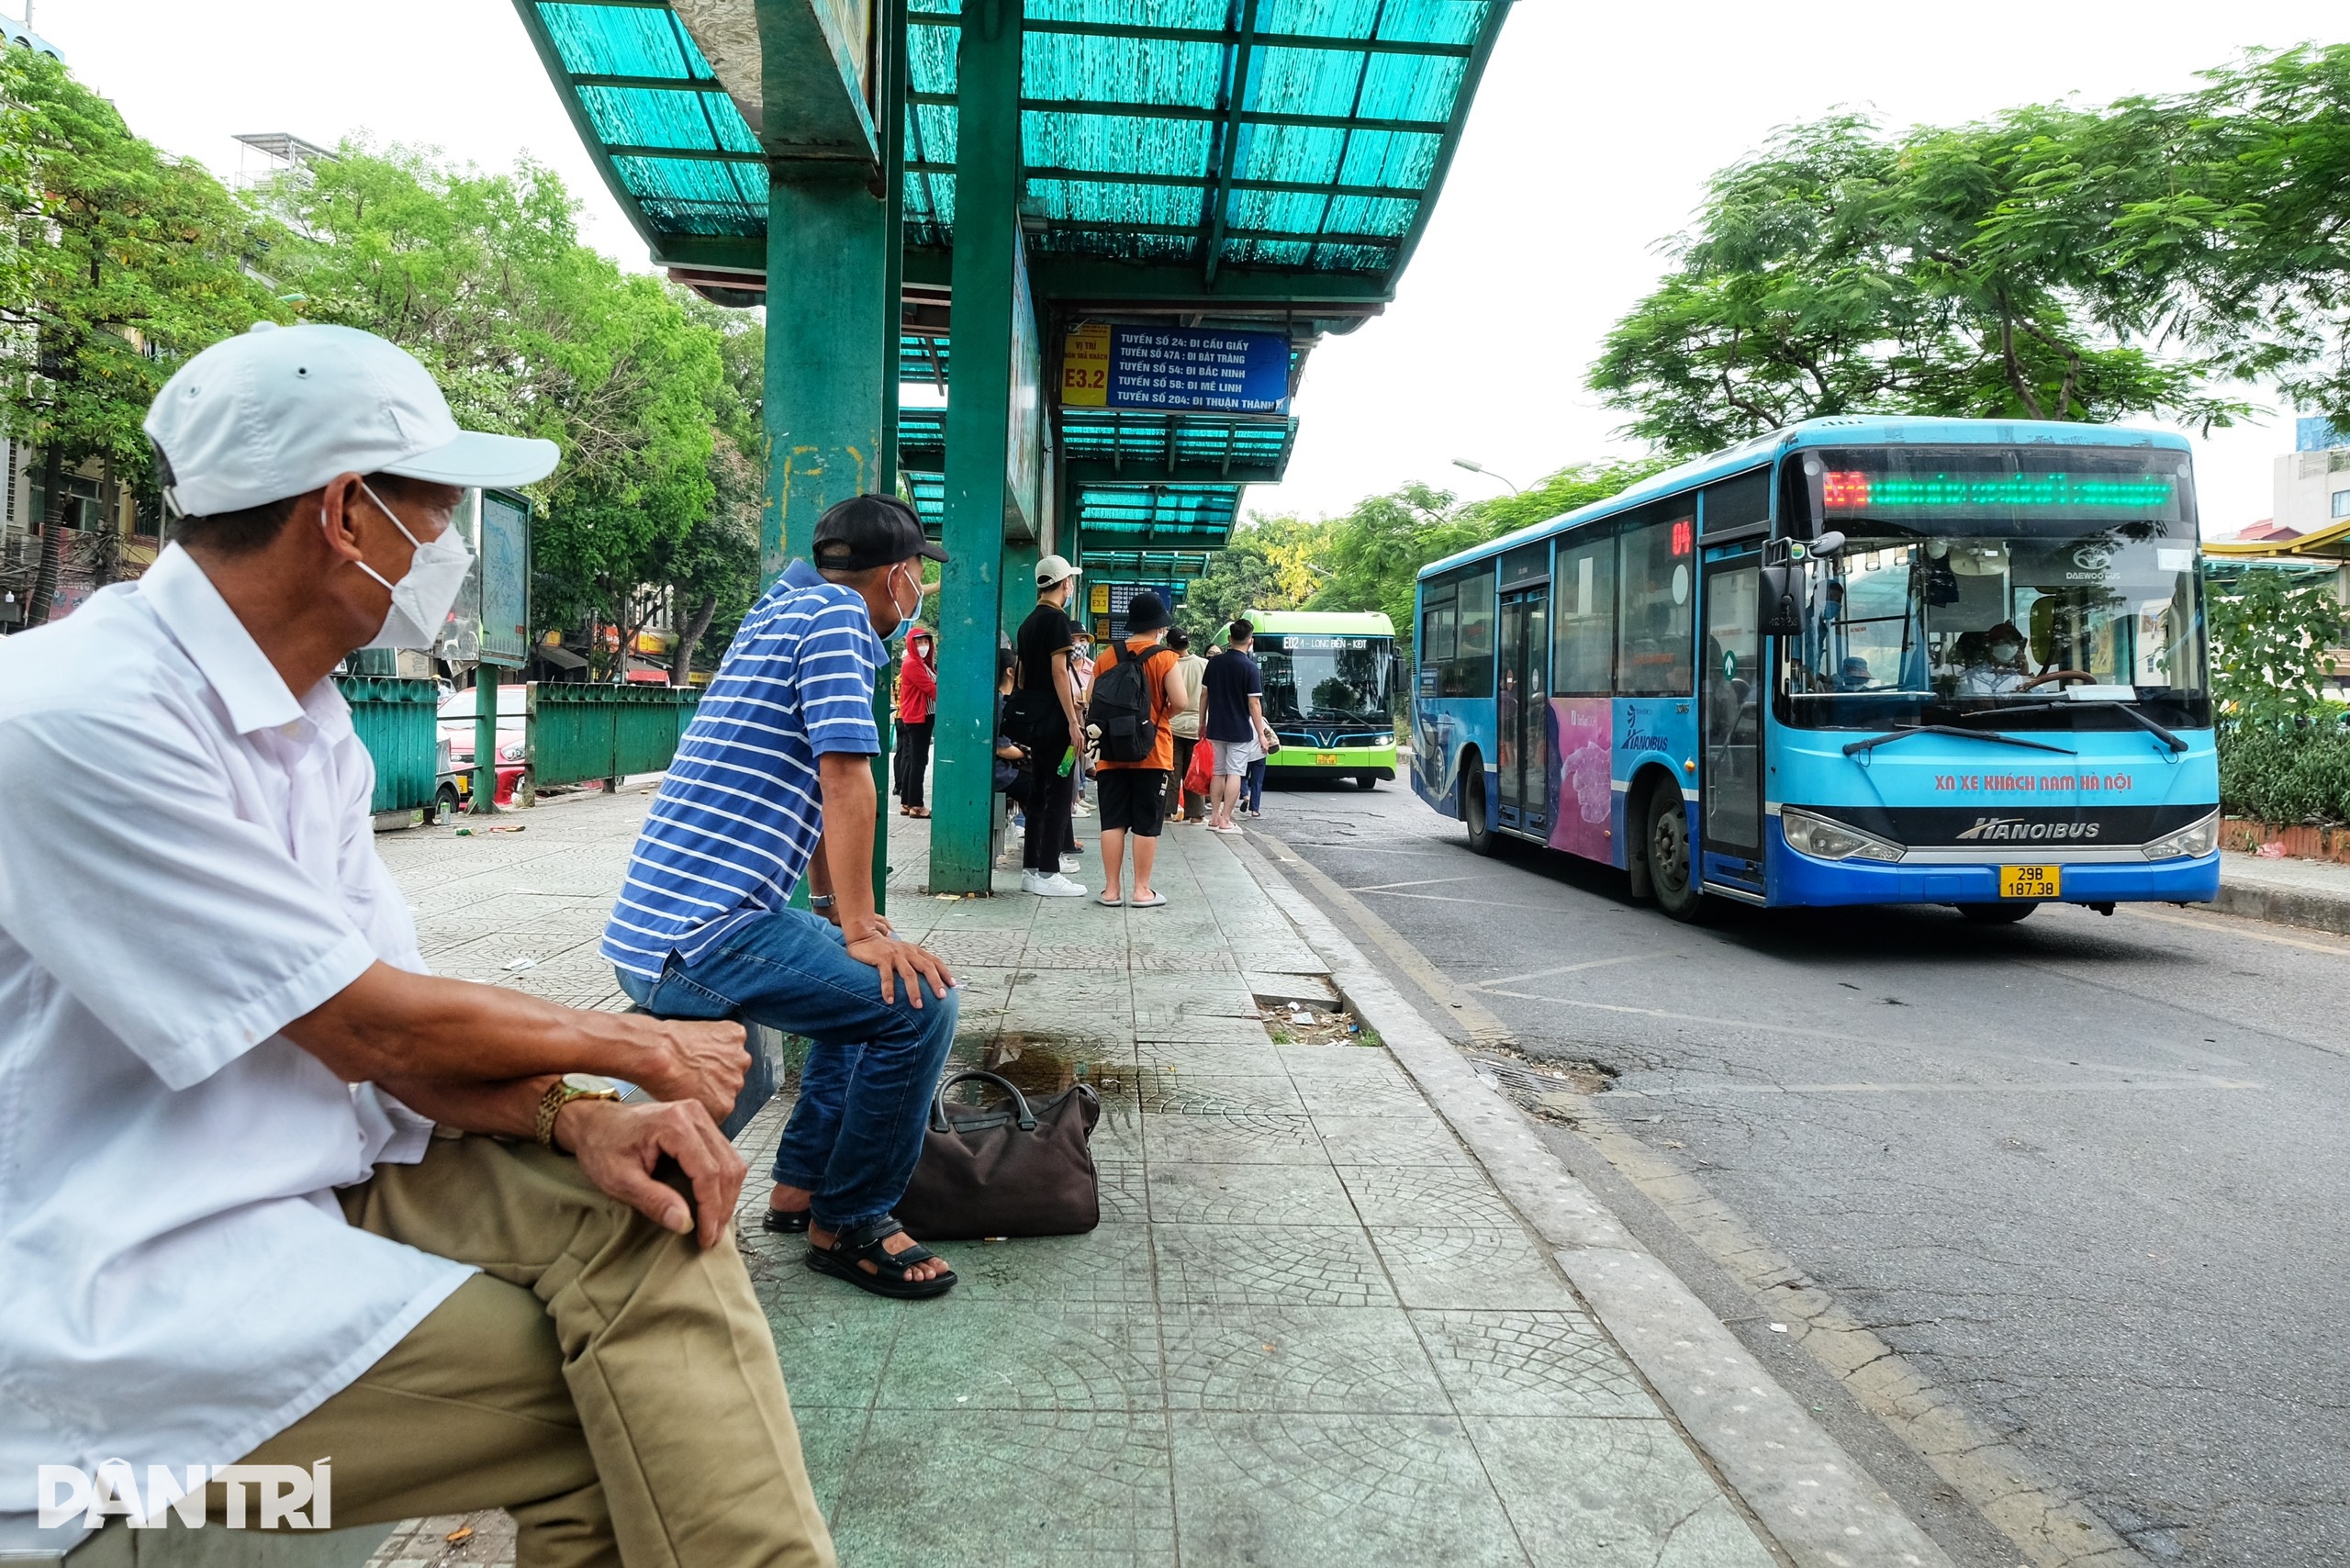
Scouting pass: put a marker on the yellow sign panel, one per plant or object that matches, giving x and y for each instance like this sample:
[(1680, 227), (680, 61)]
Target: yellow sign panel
[(1101, 600), (1085, 367)]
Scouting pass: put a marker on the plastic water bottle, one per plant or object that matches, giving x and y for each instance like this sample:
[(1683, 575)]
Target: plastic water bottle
[(1068, 760)]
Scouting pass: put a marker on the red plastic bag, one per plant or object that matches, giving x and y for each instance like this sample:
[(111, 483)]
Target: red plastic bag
[(1201, 773)]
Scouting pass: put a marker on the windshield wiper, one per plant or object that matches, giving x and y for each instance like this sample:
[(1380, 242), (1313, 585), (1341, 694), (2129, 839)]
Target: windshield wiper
[(2152, 728), (1857, 747)]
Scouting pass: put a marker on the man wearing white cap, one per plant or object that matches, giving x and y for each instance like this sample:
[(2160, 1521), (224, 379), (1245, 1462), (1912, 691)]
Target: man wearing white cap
[(231, 1228)]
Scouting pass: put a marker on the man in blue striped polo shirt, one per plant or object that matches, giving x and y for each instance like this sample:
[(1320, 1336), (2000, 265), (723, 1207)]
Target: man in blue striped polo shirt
[(772, 780)]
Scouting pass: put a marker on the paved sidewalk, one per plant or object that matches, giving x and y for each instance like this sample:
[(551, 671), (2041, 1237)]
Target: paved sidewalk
[(1310, 1329)]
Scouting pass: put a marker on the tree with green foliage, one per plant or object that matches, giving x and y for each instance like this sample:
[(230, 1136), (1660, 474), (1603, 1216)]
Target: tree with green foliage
[(2273, 633), (483, 278), (117, 262), (1841, 271)]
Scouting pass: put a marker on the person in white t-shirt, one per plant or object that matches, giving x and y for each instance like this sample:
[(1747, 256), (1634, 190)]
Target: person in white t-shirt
[(230, 1230)]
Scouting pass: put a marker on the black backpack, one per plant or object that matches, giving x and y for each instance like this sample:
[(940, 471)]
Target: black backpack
[(1120, 709)]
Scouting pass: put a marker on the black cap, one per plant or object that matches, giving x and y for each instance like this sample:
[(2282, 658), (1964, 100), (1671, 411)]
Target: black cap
[(1145, 612), (870, 530)]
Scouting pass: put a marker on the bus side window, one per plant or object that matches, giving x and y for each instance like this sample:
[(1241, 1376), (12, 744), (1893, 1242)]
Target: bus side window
[(1583, 618), (1436, 635), (1654, 651), (1471, 671)]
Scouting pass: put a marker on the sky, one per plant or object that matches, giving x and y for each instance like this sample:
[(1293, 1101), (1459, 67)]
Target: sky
[(1589, 143)]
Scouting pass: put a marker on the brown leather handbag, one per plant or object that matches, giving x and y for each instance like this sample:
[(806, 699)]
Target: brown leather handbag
[(1006, 1170)]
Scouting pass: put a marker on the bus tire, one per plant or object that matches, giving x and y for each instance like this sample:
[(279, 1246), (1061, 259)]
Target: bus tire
[(1671, 872), (1994, 913), (1366, 781), (1472, 805)]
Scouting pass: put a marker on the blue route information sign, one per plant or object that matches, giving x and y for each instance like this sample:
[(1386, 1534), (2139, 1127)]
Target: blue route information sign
[(1175, 368)]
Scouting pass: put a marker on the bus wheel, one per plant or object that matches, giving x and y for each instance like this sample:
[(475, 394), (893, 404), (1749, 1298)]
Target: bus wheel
[(444, 804), (1366, 781), (1473, 807), (1996, 913), (1670, 872)]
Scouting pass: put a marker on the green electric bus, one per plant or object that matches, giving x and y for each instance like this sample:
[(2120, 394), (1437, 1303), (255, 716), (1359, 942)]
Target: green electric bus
[(1329, 684)]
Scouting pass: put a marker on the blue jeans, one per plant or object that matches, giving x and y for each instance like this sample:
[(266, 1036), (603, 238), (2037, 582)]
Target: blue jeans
[(872, 1066), (1252, 786)]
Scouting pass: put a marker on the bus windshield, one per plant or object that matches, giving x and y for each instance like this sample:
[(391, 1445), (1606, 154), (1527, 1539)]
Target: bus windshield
[(1323, 679), (1978, 580)]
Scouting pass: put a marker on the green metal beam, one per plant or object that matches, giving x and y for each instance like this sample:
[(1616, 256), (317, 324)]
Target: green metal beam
[(1244, 56), (979, 431), (1192, 181), (891, 62), (686, 154), (647, 84), (1145, 471), (1213, 37), (1196, 112)]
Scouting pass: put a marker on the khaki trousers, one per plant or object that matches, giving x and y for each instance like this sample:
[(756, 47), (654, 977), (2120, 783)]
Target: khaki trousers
[(612, 1387)]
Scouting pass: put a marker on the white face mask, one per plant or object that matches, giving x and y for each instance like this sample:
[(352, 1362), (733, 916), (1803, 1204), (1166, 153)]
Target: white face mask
[(422, 598)]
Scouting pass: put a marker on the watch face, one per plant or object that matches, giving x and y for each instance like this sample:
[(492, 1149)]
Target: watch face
[(586, 1084)]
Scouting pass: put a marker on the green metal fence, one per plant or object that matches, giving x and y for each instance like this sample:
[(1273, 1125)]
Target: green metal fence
[(397, 722), (577, 733)]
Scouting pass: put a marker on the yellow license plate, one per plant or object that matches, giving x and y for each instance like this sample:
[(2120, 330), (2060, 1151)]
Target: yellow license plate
[(1327, 758), (2031, 881)]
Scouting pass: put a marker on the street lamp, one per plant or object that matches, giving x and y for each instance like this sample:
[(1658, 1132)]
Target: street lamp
[(1481, 468)]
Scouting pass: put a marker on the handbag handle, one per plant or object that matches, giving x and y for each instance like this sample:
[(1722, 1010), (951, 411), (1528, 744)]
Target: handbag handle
[(939, 1102)]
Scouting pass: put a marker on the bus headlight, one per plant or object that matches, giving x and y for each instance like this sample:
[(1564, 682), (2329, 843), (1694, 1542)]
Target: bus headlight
[(2195, 841), (1823, 839), (1386, 737)]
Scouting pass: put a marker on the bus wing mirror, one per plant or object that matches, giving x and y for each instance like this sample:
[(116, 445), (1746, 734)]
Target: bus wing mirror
[(1784, 591)]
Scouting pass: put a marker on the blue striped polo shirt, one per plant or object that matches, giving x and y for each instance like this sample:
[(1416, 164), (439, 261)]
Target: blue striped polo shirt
[(730, 834)]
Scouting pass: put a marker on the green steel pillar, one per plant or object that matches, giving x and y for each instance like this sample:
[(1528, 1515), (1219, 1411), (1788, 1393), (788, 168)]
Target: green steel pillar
[(829, 246), (484, 785), (890, 20), (979, 431), (1019, 583), (827, 270)]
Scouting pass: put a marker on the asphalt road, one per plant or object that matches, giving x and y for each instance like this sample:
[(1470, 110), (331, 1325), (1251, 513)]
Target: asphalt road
[(2090, 1174)]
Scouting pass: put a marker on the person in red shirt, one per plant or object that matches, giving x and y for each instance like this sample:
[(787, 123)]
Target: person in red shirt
[(917, 692)]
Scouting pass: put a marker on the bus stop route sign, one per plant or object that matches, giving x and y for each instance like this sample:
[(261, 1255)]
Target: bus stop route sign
[(1174, 369)]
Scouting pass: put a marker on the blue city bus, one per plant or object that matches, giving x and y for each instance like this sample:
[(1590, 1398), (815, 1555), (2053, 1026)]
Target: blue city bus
[(1859, 661)]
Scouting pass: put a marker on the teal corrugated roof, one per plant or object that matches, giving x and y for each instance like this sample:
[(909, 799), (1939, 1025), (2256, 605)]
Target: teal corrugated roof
[(672, 145), (1157, 517), (1304, 136)]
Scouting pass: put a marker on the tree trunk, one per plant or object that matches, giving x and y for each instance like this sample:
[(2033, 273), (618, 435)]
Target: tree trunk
[(681, 657), (52, 538)]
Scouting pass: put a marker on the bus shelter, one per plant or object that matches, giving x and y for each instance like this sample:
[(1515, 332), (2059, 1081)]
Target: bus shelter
[(1110, 231)]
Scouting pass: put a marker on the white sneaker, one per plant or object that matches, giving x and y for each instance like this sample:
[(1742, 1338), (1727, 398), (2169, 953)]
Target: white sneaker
[(1053, 887)]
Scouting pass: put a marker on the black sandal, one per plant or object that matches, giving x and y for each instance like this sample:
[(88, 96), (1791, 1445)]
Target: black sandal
[(852, 1249), (785, 1222)]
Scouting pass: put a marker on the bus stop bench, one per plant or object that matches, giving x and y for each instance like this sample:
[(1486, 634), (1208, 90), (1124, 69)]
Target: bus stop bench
[(23, 1544)]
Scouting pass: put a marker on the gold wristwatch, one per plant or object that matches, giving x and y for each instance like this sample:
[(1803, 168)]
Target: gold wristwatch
[(563, 1091)]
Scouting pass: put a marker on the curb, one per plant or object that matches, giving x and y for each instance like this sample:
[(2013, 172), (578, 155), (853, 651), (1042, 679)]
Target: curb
[(1811, 1499), (2281, 905)]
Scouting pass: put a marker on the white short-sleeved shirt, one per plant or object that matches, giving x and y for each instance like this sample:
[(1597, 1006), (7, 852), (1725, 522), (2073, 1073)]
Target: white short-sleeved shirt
[(186, 864)]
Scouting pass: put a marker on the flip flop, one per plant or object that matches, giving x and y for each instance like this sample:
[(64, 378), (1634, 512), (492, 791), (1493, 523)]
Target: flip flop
[(917, 810), (1151, 903), (1109, 902)]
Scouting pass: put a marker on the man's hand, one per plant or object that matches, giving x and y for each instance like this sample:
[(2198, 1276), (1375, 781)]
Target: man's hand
[(618, 1145), (705, 1063), (874, 944)]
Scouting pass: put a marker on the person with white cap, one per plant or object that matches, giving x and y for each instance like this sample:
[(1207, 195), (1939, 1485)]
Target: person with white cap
[(1046, 719), (231, 1229)]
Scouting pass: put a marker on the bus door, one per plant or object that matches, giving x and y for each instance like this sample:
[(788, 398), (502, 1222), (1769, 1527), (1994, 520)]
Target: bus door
[(1521, 709), (1731, 685)]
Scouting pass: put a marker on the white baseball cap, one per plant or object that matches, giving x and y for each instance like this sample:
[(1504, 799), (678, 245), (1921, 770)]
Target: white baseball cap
[(1054, 569), (280, 410)]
